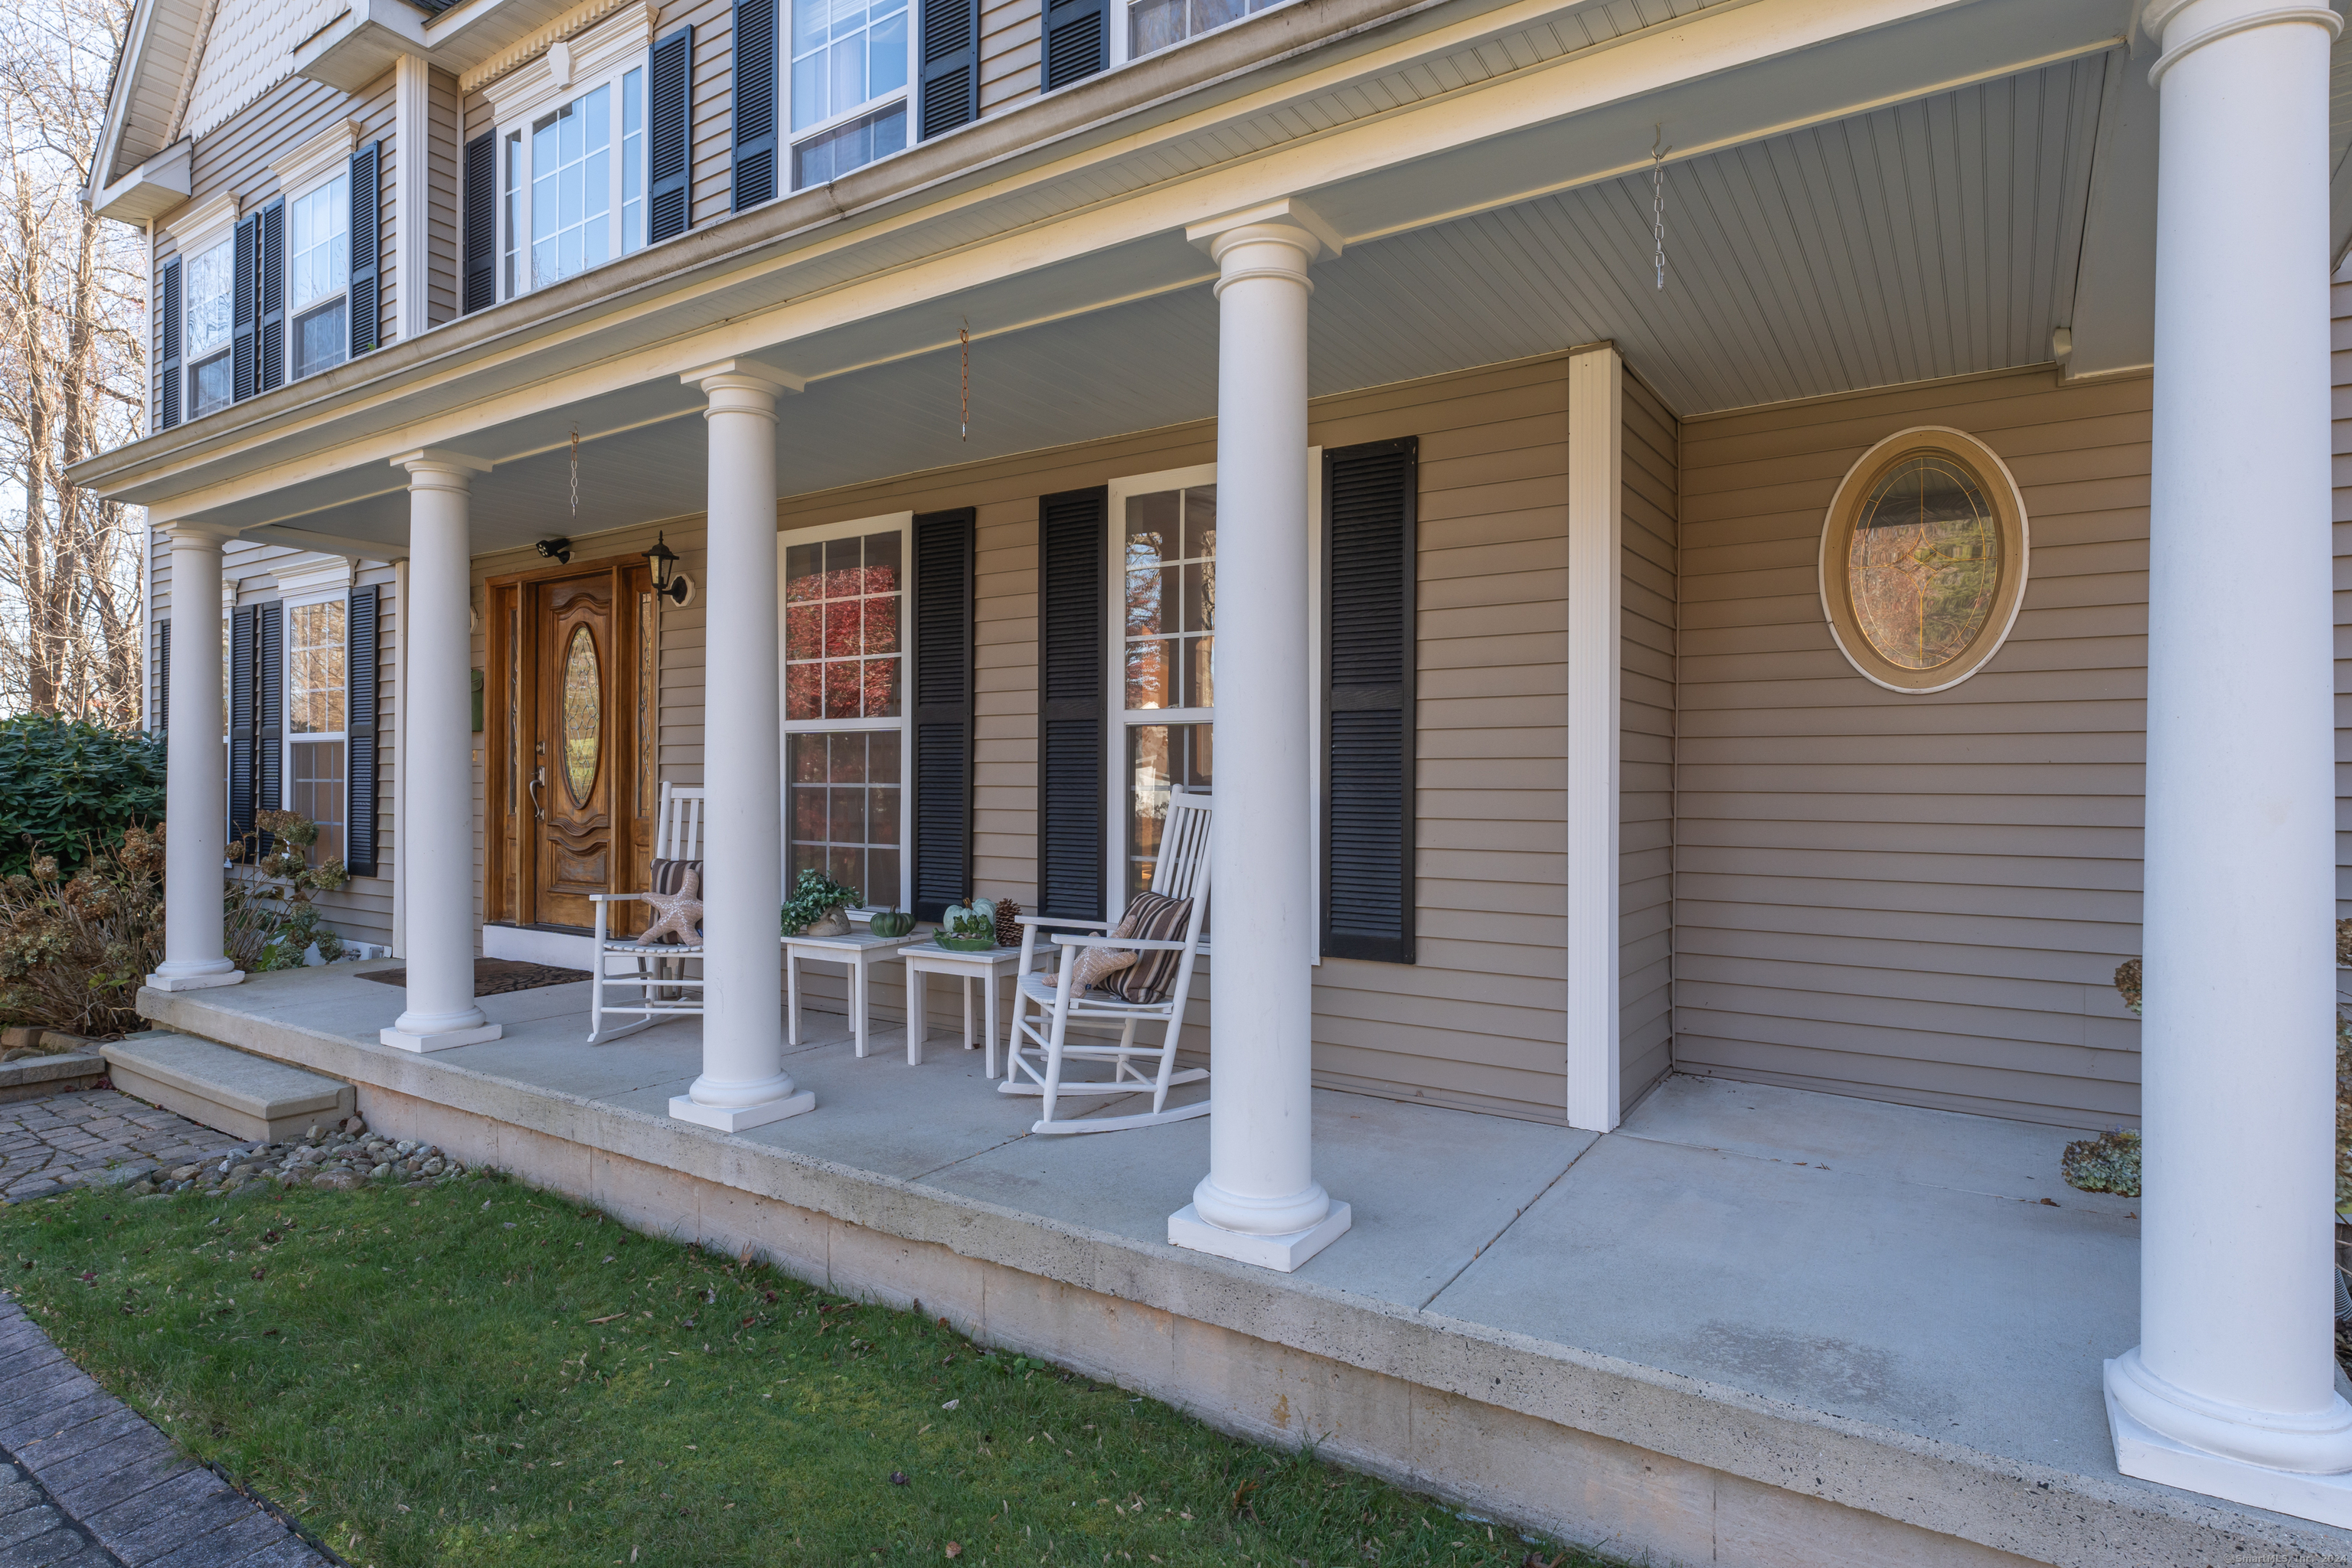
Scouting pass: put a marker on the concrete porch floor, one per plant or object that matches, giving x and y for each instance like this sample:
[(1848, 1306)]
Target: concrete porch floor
[(1754, 1325)]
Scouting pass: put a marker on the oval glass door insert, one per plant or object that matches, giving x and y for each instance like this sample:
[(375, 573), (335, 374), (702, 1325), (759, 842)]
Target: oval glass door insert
[(583, 716)]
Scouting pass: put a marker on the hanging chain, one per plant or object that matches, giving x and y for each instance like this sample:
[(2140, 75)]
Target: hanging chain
[(575, 470), (1658, 204), (963, 385)]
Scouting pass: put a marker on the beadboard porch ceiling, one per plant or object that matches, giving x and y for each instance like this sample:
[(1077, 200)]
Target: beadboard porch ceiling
[(1940, 235)]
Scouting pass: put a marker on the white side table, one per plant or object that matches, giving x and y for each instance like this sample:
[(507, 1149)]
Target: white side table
[(928, 958), (857, 952)]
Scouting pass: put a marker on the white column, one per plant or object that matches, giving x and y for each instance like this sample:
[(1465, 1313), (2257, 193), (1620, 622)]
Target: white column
[(2231, 1390), (1260, 1202), (412, 86), (436, 774), (743, 1082), (1596, 510), (195, 786)]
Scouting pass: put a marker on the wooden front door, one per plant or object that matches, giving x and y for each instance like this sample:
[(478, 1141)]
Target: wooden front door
[(570, 776)]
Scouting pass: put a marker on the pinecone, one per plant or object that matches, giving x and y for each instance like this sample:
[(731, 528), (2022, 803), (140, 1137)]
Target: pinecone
[(1008, 923)]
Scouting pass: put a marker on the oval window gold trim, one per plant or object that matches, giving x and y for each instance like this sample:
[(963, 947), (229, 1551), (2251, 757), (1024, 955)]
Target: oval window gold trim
[(1992, 478), (581, 728)]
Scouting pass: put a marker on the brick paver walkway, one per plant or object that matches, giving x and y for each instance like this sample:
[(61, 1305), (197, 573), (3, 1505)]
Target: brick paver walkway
[(87, 1482), (47, 1145)]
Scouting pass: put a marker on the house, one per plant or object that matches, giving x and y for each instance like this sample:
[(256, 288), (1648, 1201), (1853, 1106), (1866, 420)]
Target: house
[(1715, 597)]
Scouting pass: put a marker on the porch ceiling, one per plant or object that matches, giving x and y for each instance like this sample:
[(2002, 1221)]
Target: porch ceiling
[(1930, 239)]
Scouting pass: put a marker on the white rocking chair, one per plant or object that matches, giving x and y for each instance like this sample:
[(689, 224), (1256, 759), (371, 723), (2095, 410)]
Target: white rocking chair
[(659, 980), (1044, 1005)]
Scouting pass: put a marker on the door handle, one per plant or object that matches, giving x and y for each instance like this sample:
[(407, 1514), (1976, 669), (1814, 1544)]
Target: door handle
[(537, 777)]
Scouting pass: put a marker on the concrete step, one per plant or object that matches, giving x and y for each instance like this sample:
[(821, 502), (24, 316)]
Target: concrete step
[(247, 1096), (37, 1077)]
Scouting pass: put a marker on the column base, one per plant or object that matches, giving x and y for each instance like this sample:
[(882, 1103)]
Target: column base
[(403, 1040), (2143, 1451), (194, 982), (1282, 1253), (738, 1118)]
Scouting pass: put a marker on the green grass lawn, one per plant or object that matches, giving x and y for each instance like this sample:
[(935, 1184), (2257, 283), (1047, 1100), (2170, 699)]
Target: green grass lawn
[(480, 1373)]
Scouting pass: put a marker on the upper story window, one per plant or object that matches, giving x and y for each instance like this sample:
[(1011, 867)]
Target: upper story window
[(211, 307), (318, 274), (849, 86), (573, 183), (1153, 24)]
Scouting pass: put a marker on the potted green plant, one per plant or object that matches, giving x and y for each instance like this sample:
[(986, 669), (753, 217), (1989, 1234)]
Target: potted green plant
[(818, 905), (969, 928)]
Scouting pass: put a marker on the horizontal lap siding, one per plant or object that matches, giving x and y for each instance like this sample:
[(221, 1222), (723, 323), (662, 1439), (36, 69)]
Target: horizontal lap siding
[(1645, 937), (1478, 1021), (710, 137), (1010, 53), (1920, 899), (441, 195)]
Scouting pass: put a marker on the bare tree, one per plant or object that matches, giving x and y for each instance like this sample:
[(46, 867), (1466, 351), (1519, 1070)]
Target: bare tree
[(72, 330)]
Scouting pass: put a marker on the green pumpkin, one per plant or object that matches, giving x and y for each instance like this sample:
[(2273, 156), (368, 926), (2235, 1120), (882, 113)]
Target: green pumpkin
[(891, 923)]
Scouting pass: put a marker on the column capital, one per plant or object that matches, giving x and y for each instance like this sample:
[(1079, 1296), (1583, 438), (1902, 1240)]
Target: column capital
[(743, 373), (2182, 26), (1286, 219), (181, 531), (438, 468)]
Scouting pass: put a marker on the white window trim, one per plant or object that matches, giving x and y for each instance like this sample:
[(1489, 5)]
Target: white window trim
[(568, 69), (904, 724), (195, 232), (319, 580), (1116, 787), (788, 139), (321, 157), (1117, 55)]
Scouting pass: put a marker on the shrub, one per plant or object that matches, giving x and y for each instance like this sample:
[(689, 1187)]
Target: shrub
[(67, 790), (73, 950), (270, 922)]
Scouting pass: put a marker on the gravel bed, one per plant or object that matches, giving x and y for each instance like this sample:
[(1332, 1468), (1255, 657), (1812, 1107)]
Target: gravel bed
[(342, 1155)]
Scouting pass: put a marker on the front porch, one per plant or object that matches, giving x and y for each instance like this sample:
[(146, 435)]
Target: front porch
[(1752, 1325)]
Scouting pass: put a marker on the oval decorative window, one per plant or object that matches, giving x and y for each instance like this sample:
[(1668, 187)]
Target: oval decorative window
[(583, 716), (1923, 559)]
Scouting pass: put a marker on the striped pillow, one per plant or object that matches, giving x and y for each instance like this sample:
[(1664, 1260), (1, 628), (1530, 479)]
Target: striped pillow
[(1152, 916), (670, 876)]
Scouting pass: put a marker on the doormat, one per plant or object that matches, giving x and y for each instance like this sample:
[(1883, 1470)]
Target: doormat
[(496, 976)]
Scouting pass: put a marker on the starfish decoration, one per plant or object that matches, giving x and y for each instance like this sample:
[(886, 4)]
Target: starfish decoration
[(680, 914)]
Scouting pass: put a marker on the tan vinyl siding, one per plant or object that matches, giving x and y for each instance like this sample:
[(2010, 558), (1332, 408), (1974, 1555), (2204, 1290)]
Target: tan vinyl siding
[(377, 112), (441, 194), (1479, 1020), (710, 115), (1011, 53), (1646, 746), (1918, 899)]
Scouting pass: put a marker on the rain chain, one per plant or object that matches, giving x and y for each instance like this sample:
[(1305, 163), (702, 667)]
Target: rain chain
[(1658, 202), (575, 470)]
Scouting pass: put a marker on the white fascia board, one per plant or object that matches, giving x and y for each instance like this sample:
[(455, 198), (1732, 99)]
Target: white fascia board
[(151, 189), (1793, 63), (358, 47)]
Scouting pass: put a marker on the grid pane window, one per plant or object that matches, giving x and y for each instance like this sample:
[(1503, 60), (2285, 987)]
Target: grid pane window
[(210, 310), (319, 256), (842, 603), (1168, 605), (1156, 24), (571, 188), (844, 806), (318, 787), (846, 53), (314, 669), (633, 161)]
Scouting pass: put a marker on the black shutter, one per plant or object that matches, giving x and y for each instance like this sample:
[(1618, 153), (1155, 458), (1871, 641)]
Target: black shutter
[(243, 290), (269, 727), (943, 701), (367, 247), (1368, 700), (359, 623), (269, 285), (481, 221), (1077, 41), (1071, 716), (162, 710), (951, 88), (755, 103), (169, 290), (668, 169), (241, 627)]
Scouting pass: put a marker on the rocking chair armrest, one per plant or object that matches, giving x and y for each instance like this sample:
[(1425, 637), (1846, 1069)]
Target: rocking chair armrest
[(1058, 923), (1148, 944), (613, 897)]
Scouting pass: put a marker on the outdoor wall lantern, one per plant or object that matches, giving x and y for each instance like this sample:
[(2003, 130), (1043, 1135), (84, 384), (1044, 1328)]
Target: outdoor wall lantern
[(669, 583)]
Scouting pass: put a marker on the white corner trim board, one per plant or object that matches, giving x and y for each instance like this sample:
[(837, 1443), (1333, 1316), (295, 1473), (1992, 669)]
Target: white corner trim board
[(1596, 455)]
